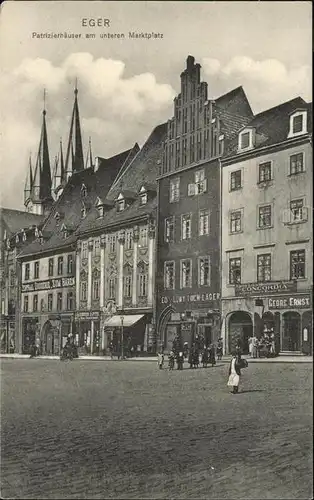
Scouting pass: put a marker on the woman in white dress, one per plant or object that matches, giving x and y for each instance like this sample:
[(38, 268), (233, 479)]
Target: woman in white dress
[(234, 373)]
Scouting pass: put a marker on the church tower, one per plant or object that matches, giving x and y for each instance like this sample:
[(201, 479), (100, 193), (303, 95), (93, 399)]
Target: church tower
[(59, 179), (38, 187), (74, 161)]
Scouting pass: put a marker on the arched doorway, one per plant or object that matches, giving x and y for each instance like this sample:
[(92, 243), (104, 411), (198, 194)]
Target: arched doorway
[(240, 330), (291, 331), (50, 339)]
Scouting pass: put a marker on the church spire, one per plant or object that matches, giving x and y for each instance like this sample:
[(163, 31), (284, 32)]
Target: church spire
[(89, 156), (59, 173), (74, 161), (28, 180)]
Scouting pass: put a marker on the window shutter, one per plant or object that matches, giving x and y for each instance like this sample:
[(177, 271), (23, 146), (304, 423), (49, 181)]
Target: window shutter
[(286, 216), (191, 189), (305, 213)]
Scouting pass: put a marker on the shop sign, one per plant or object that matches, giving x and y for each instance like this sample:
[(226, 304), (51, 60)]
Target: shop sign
[(48, 284), (197, 297), (290, 302), (265, 288), (88, 315)]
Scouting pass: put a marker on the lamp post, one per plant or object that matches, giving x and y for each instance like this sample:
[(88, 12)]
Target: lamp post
[(122, 339)]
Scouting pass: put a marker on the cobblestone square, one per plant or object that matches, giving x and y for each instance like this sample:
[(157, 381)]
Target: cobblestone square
[(127, 430)]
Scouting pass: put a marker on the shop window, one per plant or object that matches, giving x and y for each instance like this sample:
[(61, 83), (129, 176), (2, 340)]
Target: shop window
[(264, 267), (186, 273), (297, 264), (169, 275), (50, 267), (60, 266), (235, 271), (50, 302)]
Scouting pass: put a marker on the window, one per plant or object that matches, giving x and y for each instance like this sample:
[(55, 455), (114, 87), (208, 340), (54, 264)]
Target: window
[(297, 264), (143, 199), (127, 286), (296, 208), (60, 266), (70, 264), (235, 271), (200, 182), (143, 285), (112, 243), (203, 271), (264, 216), (203, 222), (236, 222), (83, 291), (70, 301), (296, 164), (12, 278), (186, 227), (169, 275), (192, 149), (96, 290), (235, 180), (36, 270), (169, 230), (143, 237), (186, 273), (83, 213), (50, 267), (264, 172), (96, 247), (50, 301), (25, 304), (100, 209), (174, 190), (128, 240), (297, 124), (245, 140), (35, 303), (26, 275), (120, 205), (264, 267), (83, 191), (59, 301), (84, 250), (112, 288)]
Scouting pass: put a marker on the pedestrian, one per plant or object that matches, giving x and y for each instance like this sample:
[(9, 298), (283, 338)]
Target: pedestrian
[(219, 349), (160, 360), (234, 373), (250, 341), (273, 344), (254, 346), (211, 355)]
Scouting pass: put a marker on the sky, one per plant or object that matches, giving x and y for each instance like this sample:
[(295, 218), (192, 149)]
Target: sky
[(126, 86)]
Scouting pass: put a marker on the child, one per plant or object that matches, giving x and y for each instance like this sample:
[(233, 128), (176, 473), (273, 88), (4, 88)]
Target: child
[(160, 361)]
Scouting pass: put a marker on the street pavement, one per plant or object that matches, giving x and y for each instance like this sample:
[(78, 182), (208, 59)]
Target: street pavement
[(128, 430)]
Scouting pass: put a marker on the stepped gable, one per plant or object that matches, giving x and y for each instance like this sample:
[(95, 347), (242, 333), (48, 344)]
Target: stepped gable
[(272, 125), (142, 170), (67, 210), (13, 221)]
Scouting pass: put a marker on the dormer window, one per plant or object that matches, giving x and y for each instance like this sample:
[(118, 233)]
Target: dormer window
[(83, 191), (143, 198), (83, 213), (298, 125), (24, 236), (57, 217), (100, 211), (17, 239), (245, 140), (120, 205)]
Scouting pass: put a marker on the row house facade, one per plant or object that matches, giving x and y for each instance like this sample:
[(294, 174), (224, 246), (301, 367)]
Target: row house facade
[(267, 244), (188, 259)]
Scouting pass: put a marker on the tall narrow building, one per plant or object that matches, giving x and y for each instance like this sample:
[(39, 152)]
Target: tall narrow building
[(74, 156), (40, 199)]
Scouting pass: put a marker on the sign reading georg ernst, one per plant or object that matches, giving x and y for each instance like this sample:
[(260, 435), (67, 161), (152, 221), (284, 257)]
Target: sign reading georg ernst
[(290, 302), (265, 288)]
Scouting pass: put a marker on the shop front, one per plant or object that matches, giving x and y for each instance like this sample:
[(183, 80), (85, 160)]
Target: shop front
[(188, 316), (30, 331), (132, 329), (273, 308), (87, 334), (7, 335)]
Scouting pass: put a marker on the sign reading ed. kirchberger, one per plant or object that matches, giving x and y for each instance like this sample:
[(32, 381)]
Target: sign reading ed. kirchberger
[(268, 288), (48, 284), (290, 302)]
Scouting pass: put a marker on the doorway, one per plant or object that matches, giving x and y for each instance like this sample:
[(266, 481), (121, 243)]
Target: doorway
[(291, 332), (240, 330)]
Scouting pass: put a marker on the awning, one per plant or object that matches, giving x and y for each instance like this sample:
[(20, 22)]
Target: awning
[(128, 320)]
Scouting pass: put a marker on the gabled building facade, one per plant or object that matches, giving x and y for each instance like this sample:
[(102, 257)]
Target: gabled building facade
[(188, 258), (267, 243)]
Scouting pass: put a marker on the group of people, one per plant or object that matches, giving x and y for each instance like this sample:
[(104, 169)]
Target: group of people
[(197, 353), (265, 345)]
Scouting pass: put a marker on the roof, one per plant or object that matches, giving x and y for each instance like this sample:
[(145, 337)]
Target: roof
[(71, 202), (272, 126), (15, 220), (235, 102), (142, 170)]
